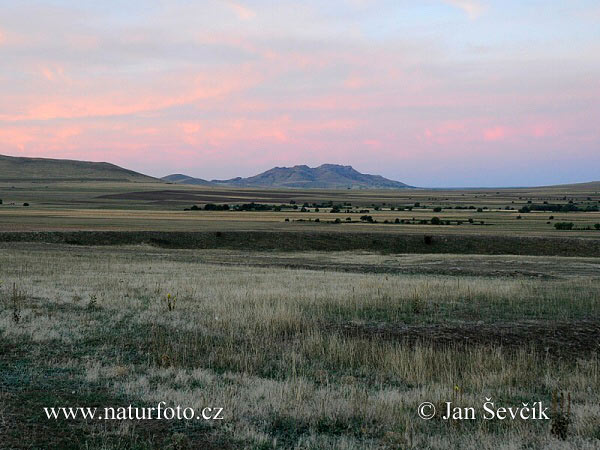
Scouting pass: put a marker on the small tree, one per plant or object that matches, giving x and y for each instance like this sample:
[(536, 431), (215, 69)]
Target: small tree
[(436, 221), (597, 226), (437, 209)]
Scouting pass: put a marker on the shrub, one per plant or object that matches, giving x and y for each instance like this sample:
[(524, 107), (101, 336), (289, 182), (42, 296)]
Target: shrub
[(398, 221), (213, 207), (524, 209), (436, 221), (0, 201), (366, 219), (437, 209), (348, 219), (338, 220), (255, 207), (287, 219), (564, 225), (417, 204), (479, 209), (597, 226), (551, 218), (317, 220), (25, 204), (471, 220)]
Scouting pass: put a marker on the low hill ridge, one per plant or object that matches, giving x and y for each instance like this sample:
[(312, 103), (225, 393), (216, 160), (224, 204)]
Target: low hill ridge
[(18, 168)]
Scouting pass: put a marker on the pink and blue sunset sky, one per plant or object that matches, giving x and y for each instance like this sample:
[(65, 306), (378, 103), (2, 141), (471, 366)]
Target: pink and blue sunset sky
[(432, 93)]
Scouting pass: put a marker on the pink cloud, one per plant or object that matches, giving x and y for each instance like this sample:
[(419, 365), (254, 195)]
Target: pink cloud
[(354, 82), (243, 12), (496, 133), (541, 130), (25, 138), (125, 100)]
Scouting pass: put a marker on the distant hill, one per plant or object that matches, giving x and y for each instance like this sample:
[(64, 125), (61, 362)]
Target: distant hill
[(43, 169), (185, 179), (326, 176)]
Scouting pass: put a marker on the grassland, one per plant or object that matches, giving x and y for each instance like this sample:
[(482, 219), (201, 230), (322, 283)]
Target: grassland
[(302, 350), (311, 334), (160, 207)]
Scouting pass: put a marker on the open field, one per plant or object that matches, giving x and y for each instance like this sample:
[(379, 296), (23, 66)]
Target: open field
[(160, 207), (94, 194), (495, 222), (296, 357)]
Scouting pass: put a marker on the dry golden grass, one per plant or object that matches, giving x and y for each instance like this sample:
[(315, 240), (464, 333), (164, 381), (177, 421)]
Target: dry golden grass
[(269, 346)]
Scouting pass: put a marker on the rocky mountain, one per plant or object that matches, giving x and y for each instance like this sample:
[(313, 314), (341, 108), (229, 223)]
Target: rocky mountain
[(326, 176)]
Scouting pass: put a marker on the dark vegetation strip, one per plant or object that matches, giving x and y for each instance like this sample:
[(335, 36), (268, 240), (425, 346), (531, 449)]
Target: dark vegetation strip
[(565, 339), (302, 241)]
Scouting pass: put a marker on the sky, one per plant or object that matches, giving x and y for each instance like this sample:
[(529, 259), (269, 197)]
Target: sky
[(433, 93)]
